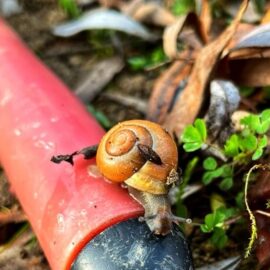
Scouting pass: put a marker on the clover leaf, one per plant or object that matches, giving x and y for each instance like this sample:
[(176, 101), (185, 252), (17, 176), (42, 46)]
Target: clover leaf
[(194, 136)]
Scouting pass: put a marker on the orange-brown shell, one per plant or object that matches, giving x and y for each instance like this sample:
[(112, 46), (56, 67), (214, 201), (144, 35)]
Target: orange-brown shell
[(119, 159)]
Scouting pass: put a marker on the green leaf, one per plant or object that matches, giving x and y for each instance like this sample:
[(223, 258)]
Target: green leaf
[(158, 56), (262, 142), (181, 7), (191, 134), (263, 128), (212, 220), (210, 164), (209, 176), (227, 212), (70, 7), (138, 62), (248, 143), (219, 238), (143, 61), (265, 115), (257, 154), (205, 228), (226, 183), (201, 127), (227, 171), (190, 147), (231, 147), (217, 201), (251, 121)]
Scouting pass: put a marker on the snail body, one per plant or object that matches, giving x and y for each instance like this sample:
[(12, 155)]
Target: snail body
[(144, 156)]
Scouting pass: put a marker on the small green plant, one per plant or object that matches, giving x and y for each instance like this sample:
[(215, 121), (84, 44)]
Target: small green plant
[(240, 150), (181, 7), (70, 7), (252, 140), (215, 223), (147, 61), (213, 171)]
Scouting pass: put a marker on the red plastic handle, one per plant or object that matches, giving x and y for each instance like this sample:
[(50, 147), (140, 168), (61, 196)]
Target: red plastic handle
[(39, 117)]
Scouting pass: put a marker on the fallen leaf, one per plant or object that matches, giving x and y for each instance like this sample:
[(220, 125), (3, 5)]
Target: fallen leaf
[(166, 89), (170, 36), (204, 16), (258, 37), (99, 76), (103, 19), (250, 57), (242, 30), (149, 12), (172, 32), (190, 101), (248, 53), (255, 44), (266, 17), (250, 72)]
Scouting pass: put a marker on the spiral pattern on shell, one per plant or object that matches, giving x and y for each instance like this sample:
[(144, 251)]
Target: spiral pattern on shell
[(119, 159)]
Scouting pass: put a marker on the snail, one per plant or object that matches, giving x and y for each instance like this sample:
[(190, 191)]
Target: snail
[(143, 156)]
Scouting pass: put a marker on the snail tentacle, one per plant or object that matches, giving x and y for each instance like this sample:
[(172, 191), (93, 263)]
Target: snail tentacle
[(149, 154)]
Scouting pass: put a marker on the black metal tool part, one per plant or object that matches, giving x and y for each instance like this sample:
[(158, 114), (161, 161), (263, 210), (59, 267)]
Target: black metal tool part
[(130, 245)]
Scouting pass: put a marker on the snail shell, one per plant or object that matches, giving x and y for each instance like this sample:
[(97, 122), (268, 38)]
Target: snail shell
[(119, 159)]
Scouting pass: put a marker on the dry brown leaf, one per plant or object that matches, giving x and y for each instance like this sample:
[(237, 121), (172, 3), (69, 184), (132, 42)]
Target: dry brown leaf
[(166, 88), (259, 37), (249, 53), (250, 72), (149, 12), (192, 39), (205, 17), (170, 36), (189, 103), (250, 57), (266, 17), (250, 42), (242, 30)]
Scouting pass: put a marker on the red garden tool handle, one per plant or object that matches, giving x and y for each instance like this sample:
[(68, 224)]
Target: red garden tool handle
[(39, 118)]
